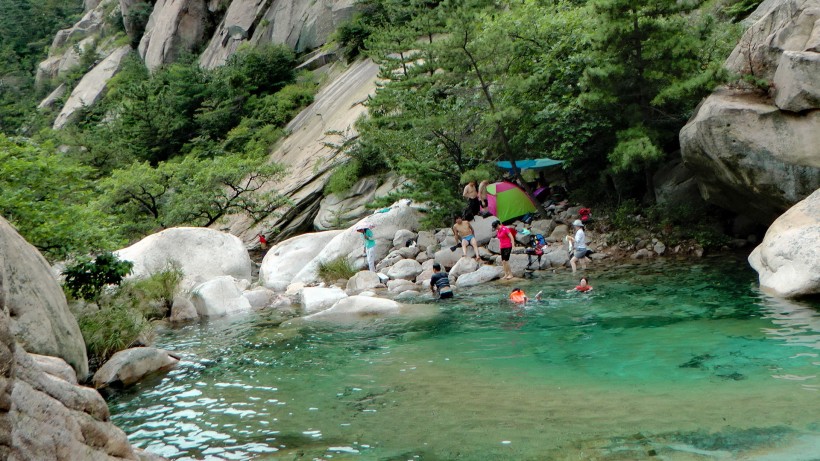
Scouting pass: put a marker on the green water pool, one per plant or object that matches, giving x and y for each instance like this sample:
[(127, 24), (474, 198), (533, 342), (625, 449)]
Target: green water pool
[(665, 360)]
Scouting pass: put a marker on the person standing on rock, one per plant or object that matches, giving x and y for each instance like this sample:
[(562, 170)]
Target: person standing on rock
[(263, 242), (473, 204), (369, 246), (580, 244), (506, 241), (483, 201), (463, 231), (440, 283)]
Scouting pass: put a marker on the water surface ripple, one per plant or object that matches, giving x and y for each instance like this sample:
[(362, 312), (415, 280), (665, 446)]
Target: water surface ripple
[(666, 360)]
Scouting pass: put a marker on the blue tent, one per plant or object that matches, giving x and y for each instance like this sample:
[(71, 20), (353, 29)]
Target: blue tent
[(536, 164)]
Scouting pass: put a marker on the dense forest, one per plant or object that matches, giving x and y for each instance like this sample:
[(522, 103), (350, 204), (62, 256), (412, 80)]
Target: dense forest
[(604, 85)]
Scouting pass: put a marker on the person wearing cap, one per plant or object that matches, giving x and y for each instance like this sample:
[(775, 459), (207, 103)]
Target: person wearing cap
[(440, 283), (369, 247), (580, 244), (506, 241)]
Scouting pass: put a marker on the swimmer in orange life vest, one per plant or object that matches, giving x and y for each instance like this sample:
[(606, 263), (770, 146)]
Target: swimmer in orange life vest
[(517, 296), (583, 286)]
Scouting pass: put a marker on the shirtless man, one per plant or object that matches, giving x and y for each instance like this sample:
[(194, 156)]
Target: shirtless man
[(473, 204), (462, 230)]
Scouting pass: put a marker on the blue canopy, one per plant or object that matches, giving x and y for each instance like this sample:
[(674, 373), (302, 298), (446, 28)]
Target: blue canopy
[(536, 164)]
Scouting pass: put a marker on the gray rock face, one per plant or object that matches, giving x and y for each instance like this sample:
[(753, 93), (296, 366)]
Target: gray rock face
[(795, 81), (284, 260), (788, 259), (183, 310), (32, 298), (676, 185), (751, 155), (43, 415), (406, 269), (259, 297), (92, 86), (131, 365), (298, 24), (202, 254), (783, 25), (175, 26), (362, 281), (132, 16), (338, 211)]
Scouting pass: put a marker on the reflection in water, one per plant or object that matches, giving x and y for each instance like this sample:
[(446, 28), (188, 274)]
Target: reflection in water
[(662, 360)]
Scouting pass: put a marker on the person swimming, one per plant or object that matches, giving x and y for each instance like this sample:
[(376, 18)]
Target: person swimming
[(583, 286), (518, 296)]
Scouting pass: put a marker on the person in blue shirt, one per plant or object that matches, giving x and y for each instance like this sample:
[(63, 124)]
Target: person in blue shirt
[(440, 283), (369, 248)]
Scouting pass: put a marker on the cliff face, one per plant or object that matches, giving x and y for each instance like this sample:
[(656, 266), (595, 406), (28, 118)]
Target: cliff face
[(162, 30), (753, 153)]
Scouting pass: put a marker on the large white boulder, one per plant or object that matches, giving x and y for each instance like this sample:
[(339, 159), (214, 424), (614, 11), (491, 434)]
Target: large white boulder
[(92, 86), (484, 274), (284, 260), (788, 259), (406, 269), (131, 365), (400, 285), (219, 297), (201, 253), (315, 299), (355, 307), (350, 244), (42, 322)]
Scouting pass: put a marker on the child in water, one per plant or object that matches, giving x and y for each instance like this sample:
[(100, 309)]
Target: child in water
[(583, 286), (518, 296)]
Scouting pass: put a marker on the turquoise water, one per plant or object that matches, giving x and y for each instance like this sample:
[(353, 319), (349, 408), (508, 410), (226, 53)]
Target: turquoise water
[(666, 360)]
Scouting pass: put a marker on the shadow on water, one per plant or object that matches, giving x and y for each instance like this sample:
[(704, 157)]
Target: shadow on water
[(664, 360)]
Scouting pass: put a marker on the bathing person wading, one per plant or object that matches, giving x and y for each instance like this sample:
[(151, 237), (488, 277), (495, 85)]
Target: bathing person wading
[(440, 283)]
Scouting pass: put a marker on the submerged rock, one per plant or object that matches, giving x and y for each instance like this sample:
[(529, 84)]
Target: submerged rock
[(131, 365)]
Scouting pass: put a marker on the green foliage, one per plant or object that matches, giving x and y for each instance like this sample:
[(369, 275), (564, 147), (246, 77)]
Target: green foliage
[(27, 28), (675, 223), (45, 195), (336, 269), (111, 329), (152, 296), (740, 9), (85, 278), (635, 149), (190, 191), (343, 178)]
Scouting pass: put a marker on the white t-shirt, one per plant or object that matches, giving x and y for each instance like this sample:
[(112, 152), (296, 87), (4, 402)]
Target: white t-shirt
[(580, 239)]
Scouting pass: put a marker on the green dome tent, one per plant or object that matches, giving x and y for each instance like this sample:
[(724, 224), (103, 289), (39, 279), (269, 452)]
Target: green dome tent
[(507, 201)]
